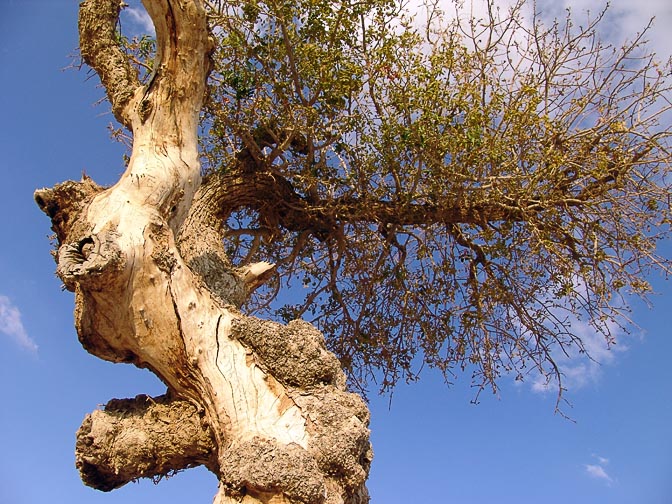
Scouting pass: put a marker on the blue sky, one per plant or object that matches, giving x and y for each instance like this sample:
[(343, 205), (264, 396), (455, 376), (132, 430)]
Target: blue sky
[(431, 444)]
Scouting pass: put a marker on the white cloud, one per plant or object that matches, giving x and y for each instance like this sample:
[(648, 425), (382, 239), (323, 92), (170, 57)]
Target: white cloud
[(598, 472), (628, 18), (624, 20), (11, 325), (580, 369), (140, 18), (602, 461)]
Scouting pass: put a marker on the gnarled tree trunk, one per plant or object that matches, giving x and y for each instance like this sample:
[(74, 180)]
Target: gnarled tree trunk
[(261, 404)]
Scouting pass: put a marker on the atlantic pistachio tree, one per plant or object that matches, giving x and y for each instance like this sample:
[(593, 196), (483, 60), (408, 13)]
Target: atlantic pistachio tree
[(448, 191)]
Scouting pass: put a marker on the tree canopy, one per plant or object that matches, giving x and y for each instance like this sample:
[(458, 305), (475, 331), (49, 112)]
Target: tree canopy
[(435, 189)]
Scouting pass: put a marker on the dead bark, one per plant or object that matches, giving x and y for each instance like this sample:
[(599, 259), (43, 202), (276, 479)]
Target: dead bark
[(264, 406)]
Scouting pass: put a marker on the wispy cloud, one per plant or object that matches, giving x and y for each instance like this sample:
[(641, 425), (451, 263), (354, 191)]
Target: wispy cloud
[(628, 18), (583, 368), (624, 19), (598, 470), (601, 460), (139, 17), (11, 325)]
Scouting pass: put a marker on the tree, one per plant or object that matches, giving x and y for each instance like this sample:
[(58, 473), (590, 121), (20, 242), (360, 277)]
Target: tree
[(451, 195)]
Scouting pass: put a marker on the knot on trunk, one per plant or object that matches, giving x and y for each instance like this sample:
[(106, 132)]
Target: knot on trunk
[(92, 262), (339, 442), (337, 421), (64, 203)]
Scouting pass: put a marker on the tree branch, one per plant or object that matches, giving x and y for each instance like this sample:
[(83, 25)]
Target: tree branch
[(100, 49), (142, 437), (182, 61), (279, 204)]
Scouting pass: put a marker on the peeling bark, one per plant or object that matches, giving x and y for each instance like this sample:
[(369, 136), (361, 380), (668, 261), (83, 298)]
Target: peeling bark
[(262, 405)]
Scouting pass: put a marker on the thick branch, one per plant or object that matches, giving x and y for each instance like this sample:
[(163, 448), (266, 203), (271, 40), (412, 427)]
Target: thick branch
[(279, 204), (142, 437), (201, 247), (99, 46), (181, 65)]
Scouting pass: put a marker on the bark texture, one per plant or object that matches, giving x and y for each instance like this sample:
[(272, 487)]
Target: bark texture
[(141, 437), (262, 405)]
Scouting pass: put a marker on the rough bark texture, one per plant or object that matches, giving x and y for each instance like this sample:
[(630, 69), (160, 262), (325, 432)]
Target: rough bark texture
[(262, 405), (144, 436)]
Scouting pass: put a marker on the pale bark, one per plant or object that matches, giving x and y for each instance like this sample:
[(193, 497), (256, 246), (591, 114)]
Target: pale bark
[(270, 398)]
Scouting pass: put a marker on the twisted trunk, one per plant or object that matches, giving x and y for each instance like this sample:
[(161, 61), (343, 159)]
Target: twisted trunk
[(262, 405)]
